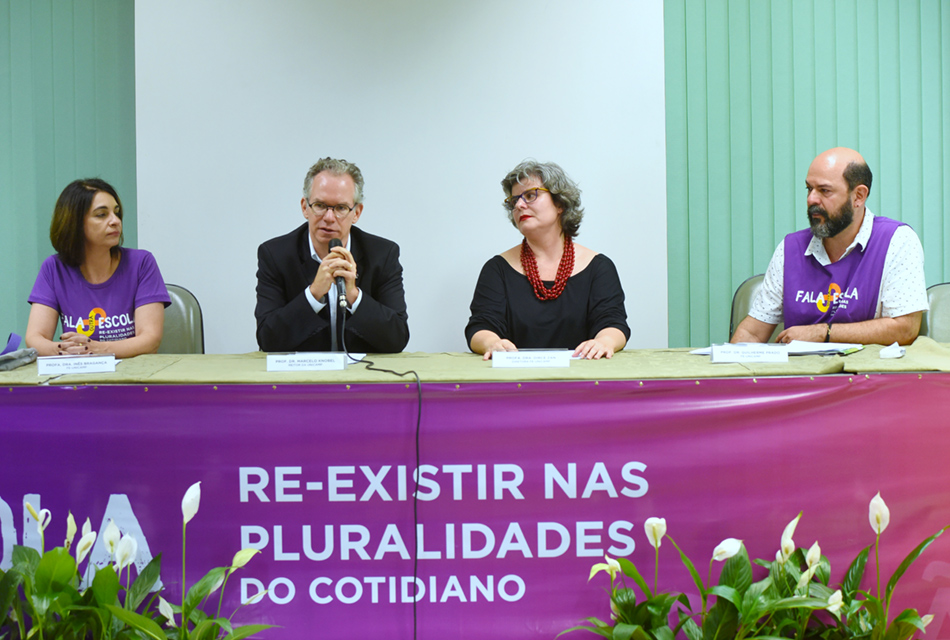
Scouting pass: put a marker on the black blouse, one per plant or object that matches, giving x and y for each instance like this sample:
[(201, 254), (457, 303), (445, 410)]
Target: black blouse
[(504, 302)]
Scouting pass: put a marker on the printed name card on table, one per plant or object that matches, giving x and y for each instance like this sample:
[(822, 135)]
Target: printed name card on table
[(749, 353), (307, 362), (58, 365), (531, 358)]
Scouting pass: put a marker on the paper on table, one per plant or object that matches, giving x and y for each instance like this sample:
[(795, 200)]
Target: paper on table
[(802, 348)]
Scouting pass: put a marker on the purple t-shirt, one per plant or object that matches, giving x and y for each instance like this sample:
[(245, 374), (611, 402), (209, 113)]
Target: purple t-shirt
[(106, 311)]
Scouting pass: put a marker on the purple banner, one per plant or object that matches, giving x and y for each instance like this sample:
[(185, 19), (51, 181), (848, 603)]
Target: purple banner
[(522, 487)]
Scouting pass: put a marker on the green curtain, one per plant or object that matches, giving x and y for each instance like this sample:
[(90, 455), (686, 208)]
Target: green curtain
[(754, 91), (67, 111)]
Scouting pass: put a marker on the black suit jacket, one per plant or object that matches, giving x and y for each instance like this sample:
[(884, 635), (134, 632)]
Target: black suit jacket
[(286, 321)]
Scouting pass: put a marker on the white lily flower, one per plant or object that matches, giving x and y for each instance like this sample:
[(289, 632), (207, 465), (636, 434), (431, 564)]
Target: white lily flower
[(878, 514), (85, 546), (927, 619), (807, 575), (655, 530), (779, 558), (125, 552), (611, 566), (813, 557), (111, 537), (242, 557), (788, 545), (166, 610), (835, 602), (70, 531), (86, 527), (189, 503), (726, 549)]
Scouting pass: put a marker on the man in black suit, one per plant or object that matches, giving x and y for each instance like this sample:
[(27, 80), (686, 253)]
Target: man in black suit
[(297, 297)]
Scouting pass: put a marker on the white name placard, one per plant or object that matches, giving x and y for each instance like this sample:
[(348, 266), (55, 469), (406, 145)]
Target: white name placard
[(58, 365), (749, 353), (307, 362), (530, 358)]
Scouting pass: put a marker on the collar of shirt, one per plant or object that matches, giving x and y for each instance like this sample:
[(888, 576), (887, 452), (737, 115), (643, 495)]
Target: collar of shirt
[(313, 252), (817, 248)]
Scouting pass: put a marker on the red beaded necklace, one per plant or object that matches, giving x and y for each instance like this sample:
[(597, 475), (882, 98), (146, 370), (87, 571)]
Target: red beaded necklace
[(564, 269)]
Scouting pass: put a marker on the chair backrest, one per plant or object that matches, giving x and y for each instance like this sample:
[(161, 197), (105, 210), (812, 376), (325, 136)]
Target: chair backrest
[(184, 330), (742, 303), (936, 322)]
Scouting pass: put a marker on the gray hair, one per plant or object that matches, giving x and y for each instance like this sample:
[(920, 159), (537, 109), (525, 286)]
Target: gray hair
[(564, 191), (337, 168)]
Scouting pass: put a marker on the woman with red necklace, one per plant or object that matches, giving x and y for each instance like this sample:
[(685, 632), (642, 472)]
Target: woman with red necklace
[(547, 292)]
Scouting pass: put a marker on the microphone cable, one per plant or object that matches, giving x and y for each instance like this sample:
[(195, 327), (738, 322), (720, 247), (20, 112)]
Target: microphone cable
[(371, 366)]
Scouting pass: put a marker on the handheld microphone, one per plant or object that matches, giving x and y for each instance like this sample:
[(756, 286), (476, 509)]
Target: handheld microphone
[(340, 282)]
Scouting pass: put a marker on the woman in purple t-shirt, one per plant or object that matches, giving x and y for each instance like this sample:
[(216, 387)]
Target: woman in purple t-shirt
[(107, 299)]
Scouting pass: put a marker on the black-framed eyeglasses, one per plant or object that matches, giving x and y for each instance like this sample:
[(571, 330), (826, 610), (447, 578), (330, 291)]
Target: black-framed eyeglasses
[(339, 210), (529, 196)]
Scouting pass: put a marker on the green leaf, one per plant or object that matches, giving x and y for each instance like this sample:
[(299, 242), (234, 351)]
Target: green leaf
[(606, 632), (207, 630), (626, 602), (659, 610), (911, 617), (909, 560), (797, 603), (200, 590), (721, 621), (55, 570), (690, 628), (738, 571), (730, 594), (25, 560), (852, 579), (823, 574), (137, 621), (105, 586), (663, 633), (143, 583), (899, 631), (623, 631), (9, 583), (630, 570), (816, 590), (753, 602), (698, 581), (250, 629)]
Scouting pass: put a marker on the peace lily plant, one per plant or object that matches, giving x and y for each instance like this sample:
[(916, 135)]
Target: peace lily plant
[(43, 595), (794, 600)]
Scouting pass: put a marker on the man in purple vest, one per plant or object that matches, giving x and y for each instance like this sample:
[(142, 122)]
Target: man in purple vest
[(851, 277)]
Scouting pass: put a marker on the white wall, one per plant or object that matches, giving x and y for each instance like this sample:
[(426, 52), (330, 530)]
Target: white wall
[(435, 100)]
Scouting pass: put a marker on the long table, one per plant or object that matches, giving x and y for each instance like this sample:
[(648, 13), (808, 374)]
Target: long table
[(526, 477)]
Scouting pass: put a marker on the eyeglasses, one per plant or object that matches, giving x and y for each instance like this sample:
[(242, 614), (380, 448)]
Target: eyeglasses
[(339, 210), (529, 196)]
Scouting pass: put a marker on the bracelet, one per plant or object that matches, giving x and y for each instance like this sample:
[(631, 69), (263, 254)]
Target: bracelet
[(828, 335)]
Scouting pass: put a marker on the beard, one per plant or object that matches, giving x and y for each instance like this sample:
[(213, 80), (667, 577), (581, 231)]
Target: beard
[(832, 224)]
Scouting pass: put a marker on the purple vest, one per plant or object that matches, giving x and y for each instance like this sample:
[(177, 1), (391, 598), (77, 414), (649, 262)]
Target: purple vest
[(844, 291)]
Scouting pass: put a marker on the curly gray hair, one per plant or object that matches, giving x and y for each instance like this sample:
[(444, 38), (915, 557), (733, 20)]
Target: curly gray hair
[(337, 168), (564, 191)]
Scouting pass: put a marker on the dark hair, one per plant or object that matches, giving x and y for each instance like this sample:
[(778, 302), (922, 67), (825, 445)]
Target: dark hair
[(857, 173), (67, 230), (564, 192)]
